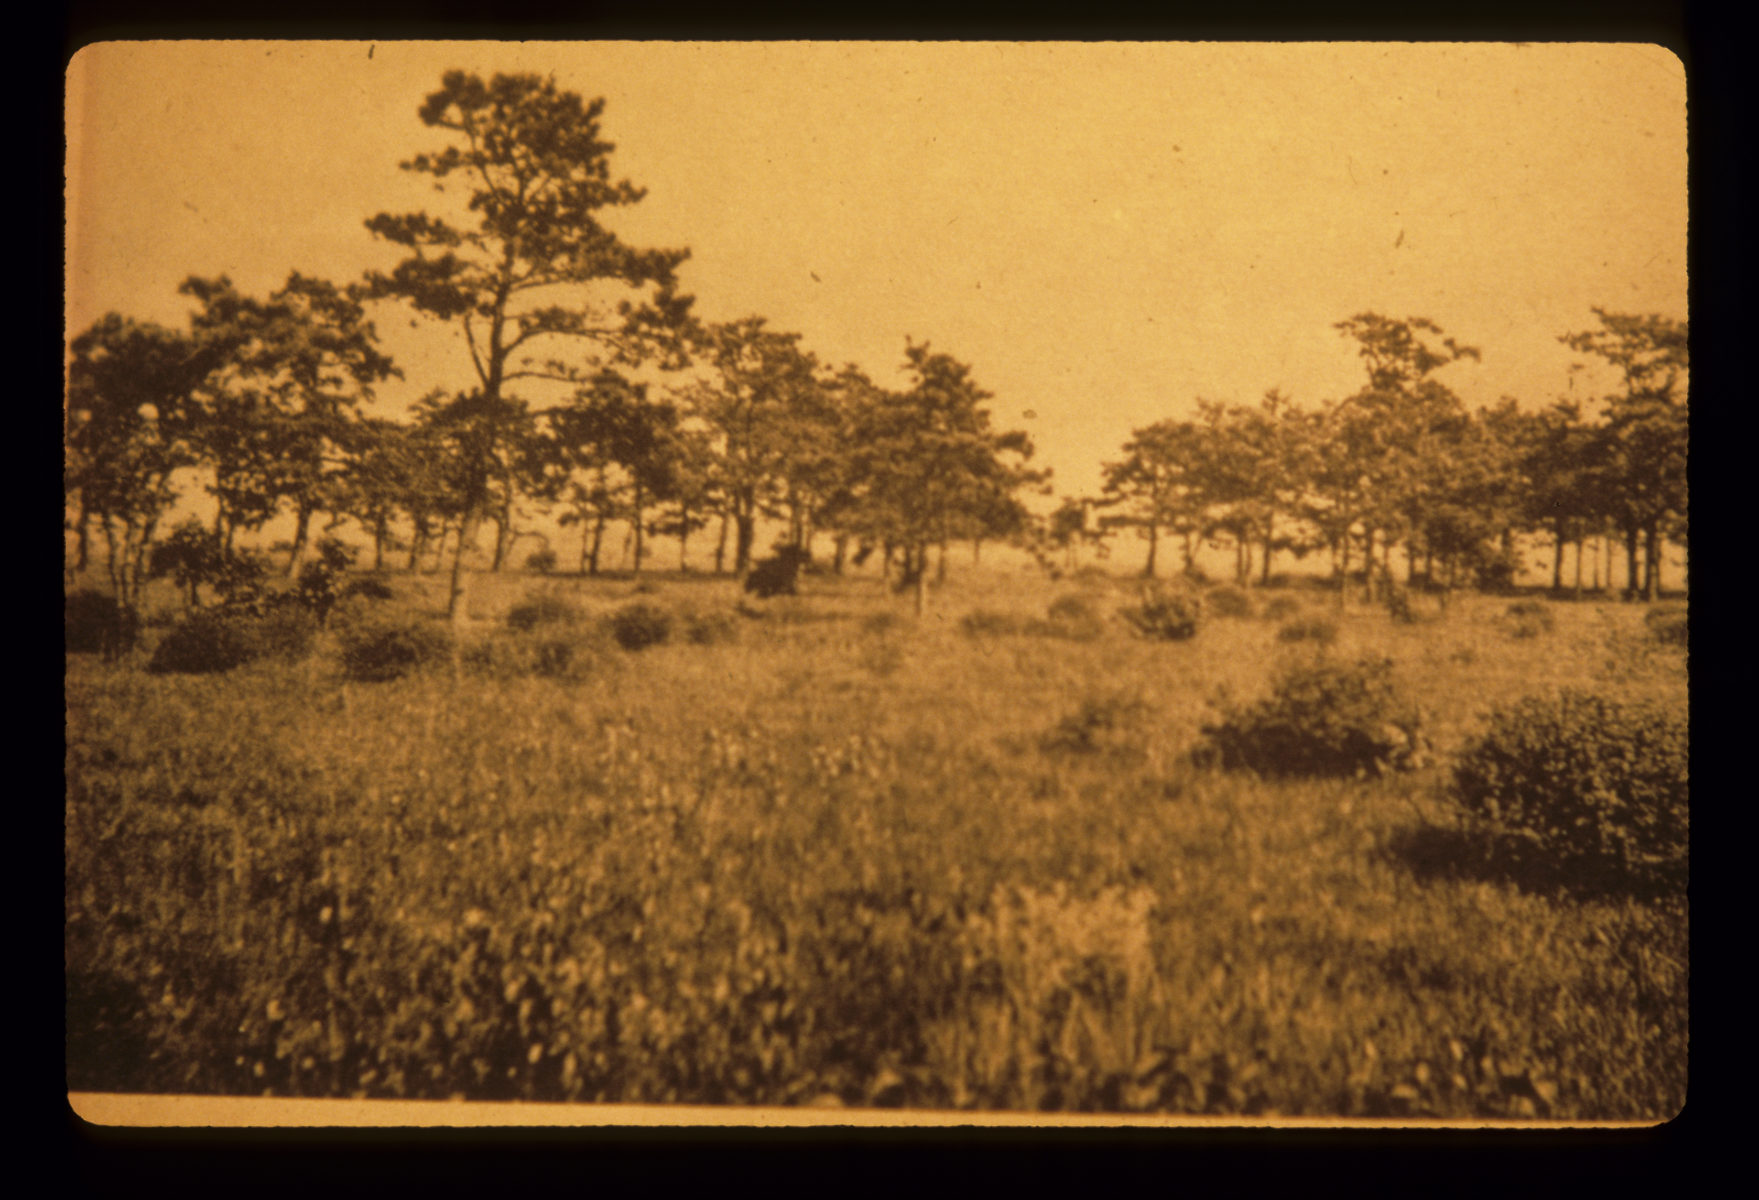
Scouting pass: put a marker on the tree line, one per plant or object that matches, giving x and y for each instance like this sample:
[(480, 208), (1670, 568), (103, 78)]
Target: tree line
[(598, 395), (1403, 465), (561, 318)]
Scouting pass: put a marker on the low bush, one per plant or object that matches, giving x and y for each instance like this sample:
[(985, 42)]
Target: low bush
[(1073, 608), (1230, 601), (569, 654), (321, 582), (541, 608), (881, 622), (212, 640), (1169, 614), (96, 624), (542, 561), (1322, 630), (1102, 723), (1598, 783), (1281, 608), (381, 650), (1667, 625), (702, 627), (367, 588), (1530, 618), (638, 626), (984, 622), (779, 574), (1322, 719)]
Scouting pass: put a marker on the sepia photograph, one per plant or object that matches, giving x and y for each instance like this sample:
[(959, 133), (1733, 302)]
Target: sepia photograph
[(876, 583)]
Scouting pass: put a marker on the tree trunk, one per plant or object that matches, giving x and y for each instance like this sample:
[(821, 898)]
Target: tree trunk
[(940, 570), (83, 546), (598, 539), (1631, 592), (1652, 564), (921, 576), (301, 533), (379, 532), (1153, 549), (456, 601), (721, 545), (1579, 541), (839, 553), (635, 525), (745, 530), (1557, 556), (1264, 571)]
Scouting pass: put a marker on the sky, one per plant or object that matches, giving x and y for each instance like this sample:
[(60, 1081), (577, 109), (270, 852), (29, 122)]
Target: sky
[(1105, 232)]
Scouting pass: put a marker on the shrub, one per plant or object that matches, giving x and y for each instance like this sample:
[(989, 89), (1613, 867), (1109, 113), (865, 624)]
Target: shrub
[(1324, 718), (637, 626), (285, 632), (320, 583), (1531, 618), (1593, 781), (542, 560), (211, 640), (555, 654), (880, 622), (1281, 608), (97, 624), (1101, 723), (386, 649), (984, 622), (1309, 629), (1166, 613), (779, 574), (368, 588), (1230, 602), (541, 608), (1667, 625), (1073, 608), (710, 628), (1400, 608)]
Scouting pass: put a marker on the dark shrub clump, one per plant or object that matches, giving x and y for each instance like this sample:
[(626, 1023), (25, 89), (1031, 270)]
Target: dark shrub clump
[(377, 651), (541, 609), (1166, 613), (542, 561), (1530, 618), (97, 624), (1102, 723), (1323, 719), (1593, 781), (211, 640), (1667, 625), (637, 626), (1281, 608), (368, 588), (1230, 602), (779, 574), (568, 654), (1309, 629), (708, 628)]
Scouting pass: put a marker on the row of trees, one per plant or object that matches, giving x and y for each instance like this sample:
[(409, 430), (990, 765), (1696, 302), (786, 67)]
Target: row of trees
[(1403, 464), (598, 396), (270, 397)]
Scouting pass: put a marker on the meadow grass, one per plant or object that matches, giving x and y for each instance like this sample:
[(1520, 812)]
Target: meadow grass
[(847, 858)]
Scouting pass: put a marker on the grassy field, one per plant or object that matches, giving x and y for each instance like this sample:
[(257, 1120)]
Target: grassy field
[(838, 855)]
